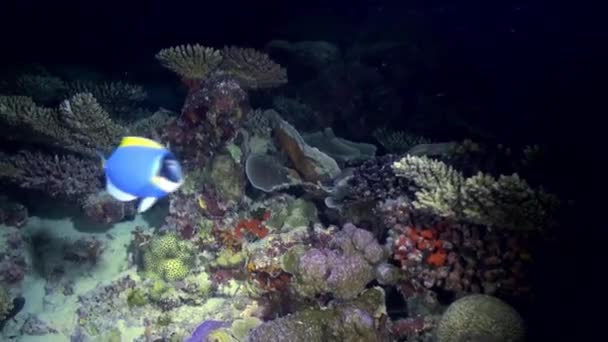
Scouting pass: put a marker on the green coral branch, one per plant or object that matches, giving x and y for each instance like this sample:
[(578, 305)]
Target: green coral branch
[(505, 202)]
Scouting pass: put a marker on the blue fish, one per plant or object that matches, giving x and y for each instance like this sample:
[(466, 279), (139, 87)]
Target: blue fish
[(141, 169)]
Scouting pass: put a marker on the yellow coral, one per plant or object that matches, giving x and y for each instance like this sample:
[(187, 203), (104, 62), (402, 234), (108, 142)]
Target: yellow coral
[(174, 269), (164, 245), (168, 257)]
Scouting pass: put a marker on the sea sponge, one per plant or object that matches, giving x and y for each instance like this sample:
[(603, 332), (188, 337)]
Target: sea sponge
[(191, 62), (480, 318)]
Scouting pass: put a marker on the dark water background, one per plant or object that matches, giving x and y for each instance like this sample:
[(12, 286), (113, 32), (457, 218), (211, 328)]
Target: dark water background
[(536, 67)]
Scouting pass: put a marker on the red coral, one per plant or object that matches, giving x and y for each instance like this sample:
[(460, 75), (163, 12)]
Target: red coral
[(253, 226)]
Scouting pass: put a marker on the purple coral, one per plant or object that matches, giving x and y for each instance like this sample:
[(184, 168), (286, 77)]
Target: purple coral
[(58, 176), (206, 328)]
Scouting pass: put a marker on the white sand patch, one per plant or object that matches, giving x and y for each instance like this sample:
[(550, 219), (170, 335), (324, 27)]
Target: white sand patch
[(59, 310)]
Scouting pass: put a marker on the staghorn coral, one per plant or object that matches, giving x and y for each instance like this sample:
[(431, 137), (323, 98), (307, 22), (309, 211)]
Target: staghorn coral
[(64, 176), (118, 98), (504, 202), (480, 318), (88, 123), (252, 69), (79, 125), (193, 63)]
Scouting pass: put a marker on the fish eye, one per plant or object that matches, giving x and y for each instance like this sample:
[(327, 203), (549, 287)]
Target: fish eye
[(171, 169)]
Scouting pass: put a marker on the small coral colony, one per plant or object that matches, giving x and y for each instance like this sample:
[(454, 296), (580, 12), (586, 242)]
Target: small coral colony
[(276, 234)]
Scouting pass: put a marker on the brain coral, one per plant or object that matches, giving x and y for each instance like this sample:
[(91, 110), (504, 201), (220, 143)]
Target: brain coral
[(480, 318)]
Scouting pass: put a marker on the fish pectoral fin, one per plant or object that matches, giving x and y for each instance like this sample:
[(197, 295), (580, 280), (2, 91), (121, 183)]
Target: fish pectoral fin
[(117, 193), (146, 203)]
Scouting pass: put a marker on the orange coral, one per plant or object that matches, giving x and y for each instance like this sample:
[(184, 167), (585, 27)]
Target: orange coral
[(437, 259)]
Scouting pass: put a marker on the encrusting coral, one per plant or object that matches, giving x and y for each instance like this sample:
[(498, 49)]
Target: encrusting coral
[(343, 270)]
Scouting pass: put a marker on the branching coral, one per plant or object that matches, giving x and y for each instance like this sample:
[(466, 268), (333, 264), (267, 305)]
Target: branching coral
[(506, 202), (58, 176), (192, 63), (117, 98), (79, 125), (42, 88), (253, 69)]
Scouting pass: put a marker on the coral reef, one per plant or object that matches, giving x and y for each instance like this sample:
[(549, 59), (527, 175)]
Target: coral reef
[(211, 118), (343, 270), (458, 258), (358, 320)]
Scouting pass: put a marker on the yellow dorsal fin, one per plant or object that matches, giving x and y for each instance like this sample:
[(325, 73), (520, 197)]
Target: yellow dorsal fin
[(139, 141)]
